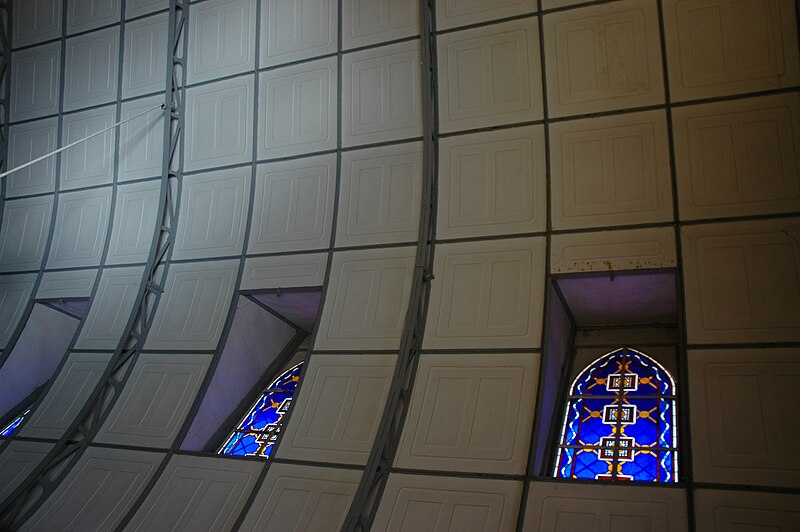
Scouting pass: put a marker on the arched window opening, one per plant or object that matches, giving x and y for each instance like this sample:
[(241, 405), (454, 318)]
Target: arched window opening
[(257, 432), (620, 422), (12, 427)]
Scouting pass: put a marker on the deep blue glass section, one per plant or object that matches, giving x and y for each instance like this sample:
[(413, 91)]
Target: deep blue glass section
[(619, 423), (257, 433), (12, 427)]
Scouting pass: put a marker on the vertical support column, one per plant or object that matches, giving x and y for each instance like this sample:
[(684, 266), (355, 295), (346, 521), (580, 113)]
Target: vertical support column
[(376, 473)]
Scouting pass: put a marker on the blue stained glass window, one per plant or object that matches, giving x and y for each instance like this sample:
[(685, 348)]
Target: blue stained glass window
[(620, 422), (9, 429), (257, 433)]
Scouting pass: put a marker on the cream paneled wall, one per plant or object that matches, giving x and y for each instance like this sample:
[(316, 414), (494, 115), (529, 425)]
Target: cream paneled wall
[(575, 137)]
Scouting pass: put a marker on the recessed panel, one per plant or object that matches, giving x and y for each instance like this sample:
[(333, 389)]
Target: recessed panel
[(91, 162), (67, 284), (135, 219), (14, 293), (111, 308), (563, 507), (381, 94), (742, 281), (198, 493), (487, 294), (145, 57), (91, 67), (205, 288), (471, 413), (452, 13), (492, 183), (367, 297), (297, 109), (610, 171), (603, 57), (17, 461), (293, 205), (739, 430), (291, 31), (295, 497), (219, 124), (613, 250), (284, 271), (338, 409), (27, 142), (489, 76), (213, 209), (83, 15), (724, 510), (379, 199), (717, 48), (222, 37), (137, 8), (36, 21), (155, 400), (73, 385), (26, 224), (738, 158), (80, 229), (35, 78), (440, 504), (141, 140), (366, 22)]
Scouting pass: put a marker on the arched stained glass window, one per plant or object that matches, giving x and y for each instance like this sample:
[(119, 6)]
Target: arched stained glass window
[(620, 422), (257, 432), (12, 427)]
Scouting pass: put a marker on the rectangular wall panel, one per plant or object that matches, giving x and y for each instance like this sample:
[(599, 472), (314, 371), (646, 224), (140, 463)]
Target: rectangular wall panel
[(489, 76), (74, 383), (380, 194), (17, 461), (219, 124), (26, 224), (135, 218), (739, 157), (471, 413), (439, 504), (492, 183), (98, 491), (222, 36), (67, 284), (155, 400), (603, 57), (487, 294), (452, 13), (91, 162), (338, 409), (284, 271), (717, 48), (740, 433), (610, 171), (197, 493), (561, 507), (91, 67), (83, 15), (14, 293), (366, 22), (213, 208), (297, 109), (80, 229), (35, 21), (35, 74), (295, 497), (137, 8), (742, 281), (145, 56), (381, 94), (110, 308), (297, 30), (27, 142), (722, 511), (293, 205), (141, 141), (367, 298), (632, 249), (204, 287)]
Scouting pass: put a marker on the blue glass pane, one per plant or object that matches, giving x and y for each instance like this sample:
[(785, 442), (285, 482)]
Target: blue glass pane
[(667, 462), (593, 380), (666, 436), (9, 429), (592, 427), (565, 463), (288, 380), (643, 467), (587, 465), (646, 429)]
